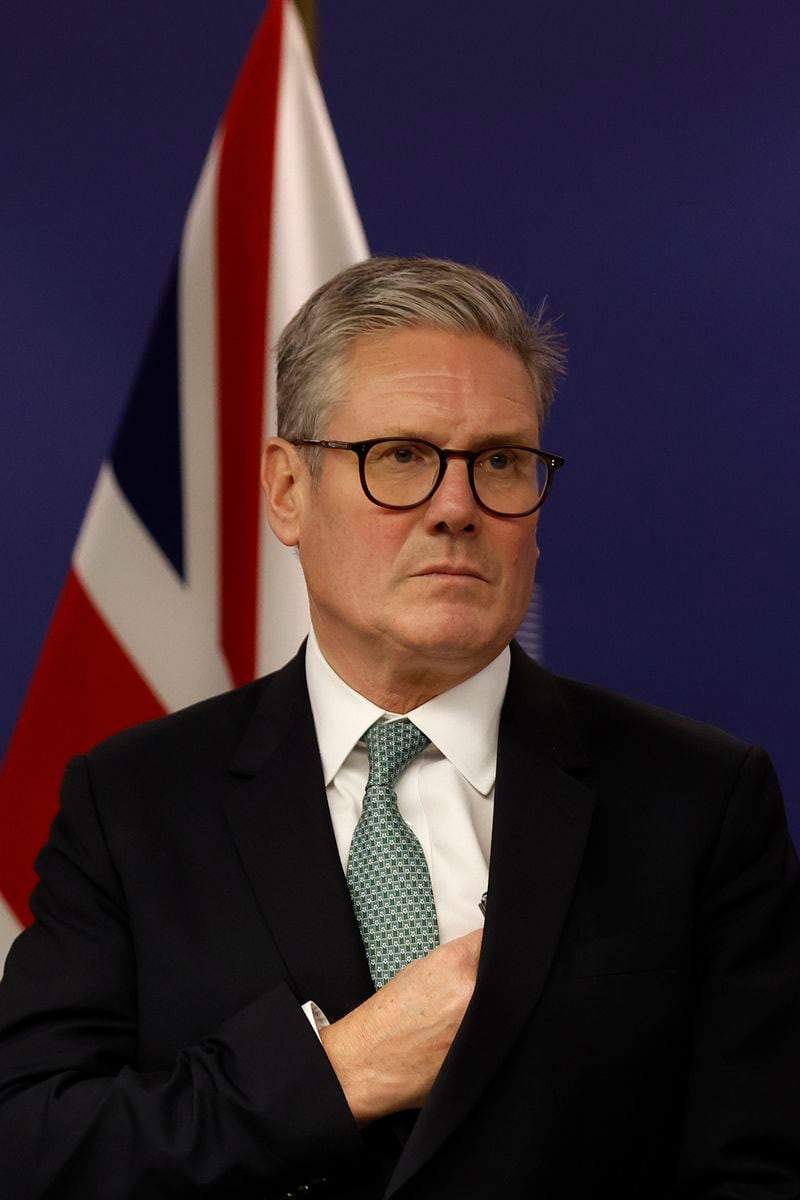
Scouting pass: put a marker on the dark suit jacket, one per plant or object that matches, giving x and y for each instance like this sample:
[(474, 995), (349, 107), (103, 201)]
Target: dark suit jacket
[(634, 1029)]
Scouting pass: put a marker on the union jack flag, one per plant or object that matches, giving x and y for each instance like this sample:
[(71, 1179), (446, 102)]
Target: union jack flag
[(176, 589)]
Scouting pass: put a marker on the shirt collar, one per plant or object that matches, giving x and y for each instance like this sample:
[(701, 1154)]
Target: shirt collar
[(462, 723)]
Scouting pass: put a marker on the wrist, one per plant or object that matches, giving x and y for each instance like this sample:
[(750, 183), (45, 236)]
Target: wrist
[(356, 1064)]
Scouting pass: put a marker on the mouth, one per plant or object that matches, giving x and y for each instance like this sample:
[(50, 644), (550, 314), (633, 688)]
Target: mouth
[(451, 570)]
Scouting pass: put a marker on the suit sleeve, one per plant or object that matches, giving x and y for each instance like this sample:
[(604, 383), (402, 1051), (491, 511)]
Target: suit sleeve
[(252, 1109), (741, 1135)]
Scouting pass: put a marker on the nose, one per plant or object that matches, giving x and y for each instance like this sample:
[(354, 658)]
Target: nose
[(452, 507)]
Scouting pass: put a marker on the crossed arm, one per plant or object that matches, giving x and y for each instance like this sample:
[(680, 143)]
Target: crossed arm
[(255, 1105)]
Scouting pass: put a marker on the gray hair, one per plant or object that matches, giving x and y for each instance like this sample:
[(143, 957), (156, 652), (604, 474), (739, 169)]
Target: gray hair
[(381, 294)]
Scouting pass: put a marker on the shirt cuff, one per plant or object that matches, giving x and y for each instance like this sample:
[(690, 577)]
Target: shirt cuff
[(316, 1016)]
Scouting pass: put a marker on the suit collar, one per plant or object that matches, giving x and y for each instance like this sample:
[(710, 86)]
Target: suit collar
[(280, 706), (284, 703), (550, 730)]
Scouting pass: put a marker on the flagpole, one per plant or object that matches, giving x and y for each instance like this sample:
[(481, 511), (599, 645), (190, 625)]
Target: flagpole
[(307, 11)]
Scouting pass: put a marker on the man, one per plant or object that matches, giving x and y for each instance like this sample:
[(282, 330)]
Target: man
[(259, 966)]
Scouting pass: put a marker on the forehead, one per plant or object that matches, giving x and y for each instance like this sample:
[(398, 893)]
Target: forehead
[(421, 380)]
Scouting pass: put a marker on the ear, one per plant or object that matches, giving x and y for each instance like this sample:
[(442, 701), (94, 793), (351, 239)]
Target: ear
[(285, 480)]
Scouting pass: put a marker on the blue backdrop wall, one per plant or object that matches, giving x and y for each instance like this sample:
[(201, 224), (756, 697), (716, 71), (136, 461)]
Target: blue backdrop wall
[(635, 162)]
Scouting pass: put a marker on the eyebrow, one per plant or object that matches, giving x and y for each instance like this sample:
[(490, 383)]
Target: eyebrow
[(477, 443)]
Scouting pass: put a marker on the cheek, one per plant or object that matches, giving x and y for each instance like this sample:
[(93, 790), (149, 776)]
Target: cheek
[(381, 538), (521, 575), (524, 555), (348, 552)]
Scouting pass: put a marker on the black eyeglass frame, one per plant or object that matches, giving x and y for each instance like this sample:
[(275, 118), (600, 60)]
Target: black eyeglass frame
[(551, 461)]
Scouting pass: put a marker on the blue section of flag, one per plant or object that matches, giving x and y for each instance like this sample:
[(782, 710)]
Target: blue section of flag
[(146, 454)]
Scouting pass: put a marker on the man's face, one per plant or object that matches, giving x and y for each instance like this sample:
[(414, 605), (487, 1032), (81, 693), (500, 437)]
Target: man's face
[(442, 586)]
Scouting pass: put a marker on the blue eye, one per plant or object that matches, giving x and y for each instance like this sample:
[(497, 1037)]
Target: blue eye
[(499, 461)]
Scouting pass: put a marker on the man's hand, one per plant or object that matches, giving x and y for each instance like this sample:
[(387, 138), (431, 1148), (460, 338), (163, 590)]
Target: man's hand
[(387, 1052)]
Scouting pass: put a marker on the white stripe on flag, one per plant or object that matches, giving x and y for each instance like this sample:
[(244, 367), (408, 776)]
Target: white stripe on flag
[(197, 324), (9, 928), (153, 615), (316, 231)]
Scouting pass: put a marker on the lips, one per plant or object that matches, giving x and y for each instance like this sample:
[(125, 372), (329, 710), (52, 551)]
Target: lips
[(464, 570)]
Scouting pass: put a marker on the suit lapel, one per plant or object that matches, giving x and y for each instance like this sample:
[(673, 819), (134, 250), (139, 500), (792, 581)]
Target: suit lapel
[(280, 823), (541, 821)]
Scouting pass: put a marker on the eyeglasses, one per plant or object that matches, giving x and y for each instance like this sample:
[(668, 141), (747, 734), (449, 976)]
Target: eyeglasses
[(508, 481)]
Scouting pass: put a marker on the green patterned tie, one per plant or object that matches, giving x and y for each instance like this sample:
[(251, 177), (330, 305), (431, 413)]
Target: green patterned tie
[(387, 873)]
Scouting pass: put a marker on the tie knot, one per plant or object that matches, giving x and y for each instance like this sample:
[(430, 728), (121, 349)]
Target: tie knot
[(391, 746)]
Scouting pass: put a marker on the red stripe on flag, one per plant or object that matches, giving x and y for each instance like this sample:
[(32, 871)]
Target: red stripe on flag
[(244, 216), (84, 689)]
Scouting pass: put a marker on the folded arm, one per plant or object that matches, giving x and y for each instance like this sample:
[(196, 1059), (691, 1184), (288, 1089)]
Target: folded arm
[(252, 1104)]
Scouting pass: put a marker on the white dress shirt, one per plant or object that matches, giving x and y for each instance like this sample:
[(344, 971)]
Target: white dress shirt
[(446, 794)]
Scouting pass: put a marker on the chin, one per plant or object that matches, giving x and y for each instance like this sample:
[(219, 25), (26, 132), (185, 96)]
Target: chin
[(455, 633)]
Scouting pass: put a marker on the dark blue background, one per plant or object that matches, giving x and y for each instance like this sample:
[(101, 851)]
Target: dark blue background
[(636, 162)]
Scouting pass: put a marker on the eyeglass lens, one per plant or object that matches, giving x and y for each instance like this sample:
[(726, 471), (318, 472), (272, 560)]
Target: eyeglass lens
[(508, 480)]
